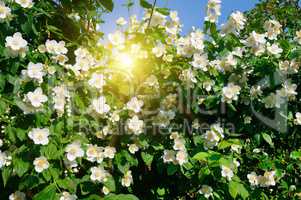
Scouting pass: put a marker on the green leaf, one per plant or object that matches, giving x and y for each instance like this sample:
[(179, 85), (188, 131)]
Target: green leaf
[(50, 151), (268, 139), (236, 188), (145, 4), (201, 156), (47, 193), (295, 155), (67, 184), (147, 158), (233, 189), (6, 173), (110, 184), (121, 197), (108, 4), (20, 166)]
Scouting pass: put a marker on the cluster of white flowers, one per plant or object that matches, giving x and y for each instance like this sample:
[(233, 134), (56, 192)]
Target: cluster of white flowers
[(68, 196), (127, 179), (97, 80), (16, 45), (25, 3), (100, 106), (34, 71), (235, 23), (5, 11), (40, 164), (213, 10), (74, 151), (99, 174), (179, 154), (231, 92), (268, 179), (39, 135), (60, 93), (17, 196), (5, 160), (36, 98), (206, 190), (84, 60), (227, 172), (135, 125), (135, 105), (213, 136)]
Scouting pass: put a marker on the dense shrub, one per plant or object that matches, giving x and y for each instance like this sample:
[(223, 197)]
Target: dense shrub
[(151, 114)]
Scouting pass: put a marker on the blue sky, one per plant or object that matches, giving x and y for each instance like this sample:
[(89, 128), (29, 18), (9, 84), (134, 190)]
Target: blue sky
[(191, 12)]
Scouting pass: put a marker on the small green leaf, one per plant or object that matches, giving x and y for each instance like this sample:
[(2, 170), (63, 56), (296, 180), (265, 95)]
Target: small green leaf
[(201, 156), (145, 4), (47, 193), (268, 139), (121, 197), (147, 158), (108, 4), (6, 173)]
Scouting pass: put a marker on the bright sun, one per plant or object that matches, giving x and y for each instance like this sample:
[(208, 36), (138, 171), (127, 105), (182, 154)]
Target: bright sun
[(126, 60)]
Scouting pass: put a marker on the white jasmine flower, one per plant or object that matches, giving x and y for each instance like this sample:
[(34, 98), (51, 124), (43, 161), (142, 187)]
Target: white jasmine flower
[(94, 153), (74, 151), (179, 144), (157, 18), (99, 174), (273, 29), (200, 61), (227, 172), (127, 179), (35, 71), (235, 23), (159, 50), (135, 125), (274, 49), (36, 98), (105, 190), (207, 85), (4, 11), (169, 156), (56, 48), (268, 179), (60, 58), (109, 152), (298, 118), (68, 196), (236, 148), (40, 164), (213, 10), (253, 178), (230, 92), (97, 81), (121, 21), (59, 99), (133, 148), (181, 157), (39, 135), (16, 45), (206, 190), (135, 105), (25, 3), (197, 40), (117, 38), (3, 159), (17, 196), (298, 36), (257, 42), (100, 106)]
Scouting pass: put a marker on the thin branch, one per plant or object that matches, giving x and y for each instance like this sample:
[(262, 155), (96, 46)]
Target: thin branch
[(152, 12)]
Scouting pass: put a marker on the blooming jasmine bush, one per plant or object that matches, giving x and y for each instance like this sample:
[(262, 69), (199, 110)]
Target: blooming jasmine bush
[(150, 114)]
